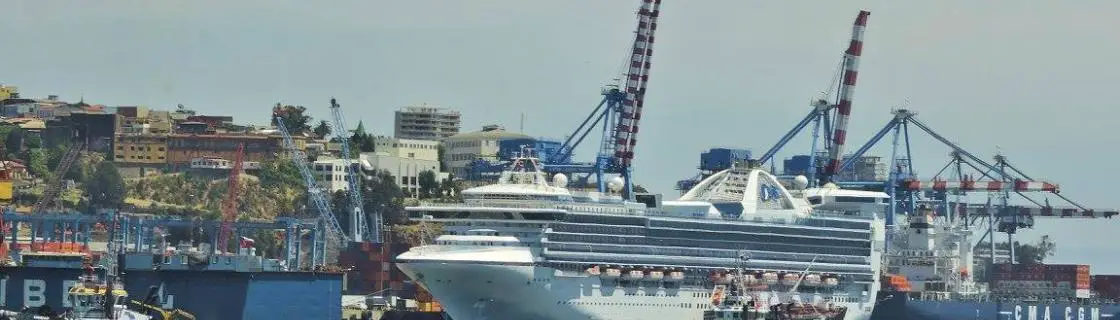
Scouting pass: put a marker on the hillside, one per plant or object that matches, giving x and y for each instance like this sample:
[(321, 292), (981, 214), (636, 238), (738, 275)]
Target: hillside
[(184, 194)]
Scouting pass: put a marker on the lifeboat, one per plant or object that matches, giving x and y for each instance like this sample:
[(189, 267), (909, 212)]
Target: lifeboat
[(750, 279), (594, 270), (634, 274), (831, 282), (676, 276), (790, 279), (612, 273), (656, 275), (770, 278), (811, 280)]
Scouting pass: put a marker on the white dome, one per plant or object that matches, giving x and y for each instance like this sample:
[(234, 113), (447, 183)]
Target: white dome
[(800, 182), (615, 184), (559, 180)]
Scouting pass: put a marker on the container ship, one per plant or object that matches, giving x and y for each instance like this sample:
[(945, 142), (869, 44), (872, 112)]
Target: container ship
[(527, 248), (928, 277), (237, 285)]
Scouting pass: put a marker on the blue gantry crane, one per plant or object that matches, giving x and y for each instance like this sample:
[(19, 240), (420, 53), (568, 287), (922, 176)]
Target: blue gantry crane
[(359, 227), (314, 193)]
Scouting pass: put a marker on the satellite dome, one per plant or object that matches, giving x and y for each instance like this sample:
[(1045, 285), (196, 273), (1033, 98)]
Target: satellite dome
[(615, 184), (559, 180), (800, 182)]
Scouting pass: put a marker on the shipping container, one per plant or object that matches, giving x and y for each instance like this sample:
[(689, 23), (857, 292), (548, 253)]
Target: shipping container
[(1106, 286)]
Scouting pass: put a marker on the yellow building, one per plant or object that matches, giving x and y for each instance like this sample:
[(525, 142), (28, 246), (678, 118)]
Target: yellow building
[(142, 148), (8, 92)]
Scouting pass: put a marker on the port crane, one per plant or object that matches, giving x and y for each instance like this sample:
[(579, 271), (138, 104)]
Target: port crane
[(229, 204), (828, 116), (314, 193), (619, 112), (54, 185), (359, 227)]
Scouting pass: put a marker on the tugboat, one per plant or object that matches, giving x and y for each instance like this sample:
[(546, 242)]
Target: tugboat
[(740, 299), (99, 299)]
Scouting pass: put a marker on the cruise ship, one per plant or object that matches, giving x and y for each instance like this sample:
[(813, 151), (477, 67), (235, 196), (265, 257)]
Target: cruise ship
[(529, 248)]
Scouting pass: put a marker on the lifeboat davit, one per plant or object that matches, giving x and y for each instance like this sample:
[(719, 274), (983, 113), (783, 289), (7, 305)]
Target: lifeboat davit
[(656, 275), (612, 273), (831, 282), (790, 279), (676, 276), (811, 280), (770, 278)]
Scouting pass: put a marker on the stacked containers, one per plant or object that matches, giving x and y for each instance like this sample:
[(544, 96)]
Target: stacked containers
[(1041, 280), (1107, 286)]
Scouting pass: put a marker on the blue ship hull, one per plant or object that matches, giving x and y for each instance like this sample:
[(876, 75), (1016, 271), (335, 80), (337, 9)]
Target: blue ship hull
[(206, 294), (900, 307)]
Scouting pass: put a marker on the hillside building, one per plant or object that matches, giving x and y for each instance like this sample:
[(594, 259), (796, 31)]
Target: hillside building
[(426, 123), (462, 149)]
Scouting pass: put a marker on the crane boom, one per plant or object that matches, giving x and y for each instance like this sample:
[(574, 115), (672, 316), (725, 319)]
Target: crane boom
[(229, 204), (314, 192), (844, 105), (636, 78), (359, 226)]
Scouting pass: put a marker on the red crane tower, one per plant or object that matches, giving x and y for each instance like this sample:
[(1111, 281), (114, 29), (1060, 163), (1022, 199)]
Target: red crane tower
[(229, 205)]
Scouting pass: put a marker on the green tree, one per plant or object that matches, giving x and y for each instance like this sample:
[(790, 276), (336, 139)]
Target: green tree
[(322, 130), (295, 118), (106, 188), (37, 163), (279, 172), (429, 186), (383, 195), (14, 141), (361, 140)]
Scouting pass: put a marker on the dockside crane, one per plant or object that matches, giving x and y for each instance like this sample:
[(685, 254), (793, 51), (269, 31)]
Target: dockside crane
[(358, 224), (315, 194), (832, 118), (1000, 180), (229, 204), (619, 112)]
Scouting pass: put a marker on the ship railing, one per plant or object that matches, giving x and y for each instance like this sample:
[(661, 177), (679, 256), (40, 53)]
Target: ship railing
[(537, 204)]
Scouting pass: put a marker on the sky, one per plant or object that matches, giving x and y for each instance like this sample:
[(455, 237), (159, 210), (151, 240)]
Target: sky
[(1028, 79)]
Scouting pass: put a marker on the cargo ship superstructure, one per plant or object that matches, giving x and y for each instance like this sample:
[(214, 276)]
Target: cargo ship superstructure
[(929, 276), (525, 248)]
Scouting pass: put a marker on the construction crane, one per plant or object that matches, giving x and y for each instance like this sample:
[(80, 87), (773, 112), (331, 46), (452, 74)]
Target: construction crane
[(822, 112), (619, 112), (229, 204), (54, 185), (358, 224), (314, 193)]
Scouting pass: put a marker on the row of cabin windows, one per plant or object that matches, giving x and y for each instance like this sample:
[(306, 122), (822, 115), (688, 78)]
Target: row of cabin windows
[(763, 238), (817, 246), (629, 304), (121, 156), (705, 253), (791, 230), (141, 148)]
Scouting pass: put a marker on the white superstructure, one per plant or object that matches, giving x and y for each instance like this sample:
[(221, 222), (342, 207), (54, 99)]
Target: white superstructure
[(527, 249)]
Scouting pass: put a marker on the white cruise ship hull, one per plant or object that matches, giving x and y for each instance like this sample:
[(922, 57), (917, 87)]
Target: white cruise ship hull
[(512, 290)]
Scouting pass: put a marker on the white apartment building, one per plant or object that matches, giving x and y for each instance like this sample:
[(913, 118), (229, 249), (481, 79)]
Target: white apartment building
[(331, 173), (407, 148), (425, 122), (461, 149), (406, 171)]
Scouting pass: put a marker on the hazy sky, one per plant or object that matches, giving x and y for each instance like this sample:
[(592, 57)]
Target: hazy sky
[(1031, 79)]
